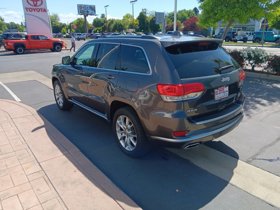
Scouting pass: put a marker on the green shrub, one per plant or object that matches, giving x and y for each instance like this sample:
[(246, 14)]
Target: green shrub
[(274, 63), (237, 56), (255, 56)]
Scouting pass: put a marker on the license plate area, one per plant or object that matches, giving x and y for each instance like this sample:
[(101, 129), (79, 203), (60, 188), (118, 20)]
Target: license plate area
[(221, 92)]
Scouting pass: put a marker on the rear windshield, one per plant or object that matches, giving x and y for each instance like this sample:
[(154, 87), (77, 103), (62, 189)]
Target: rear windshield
[(200, 59)]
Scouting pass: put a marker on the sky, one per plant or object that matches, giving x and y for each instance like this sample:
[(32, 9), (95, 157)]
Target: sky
[(12, 11)]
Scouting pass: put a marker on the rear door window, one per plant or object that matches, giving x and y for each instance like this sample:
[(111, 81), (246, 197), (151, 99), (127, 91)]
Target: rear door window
[(133, 59), (199, 59), (107, 56)]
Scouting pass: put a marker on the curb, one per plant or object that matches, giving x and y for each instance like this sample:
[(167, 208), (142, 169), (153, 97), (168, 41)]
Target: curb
[(263, 76)]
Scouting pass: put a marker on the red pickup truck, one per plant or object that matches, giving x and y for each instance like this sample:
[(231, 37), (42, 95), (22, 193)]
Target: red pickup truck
[(34, 42)]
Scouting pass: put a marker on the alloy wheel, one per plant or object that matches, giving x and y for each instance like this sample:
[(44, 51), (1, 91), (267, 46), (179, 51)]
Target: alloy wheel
[(58, 95), (126, 133)]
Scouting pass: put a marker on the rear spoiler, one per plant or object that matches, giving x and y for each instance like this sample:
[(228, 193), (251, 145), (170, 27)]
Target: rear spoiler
[(167, 43), (192, 46)]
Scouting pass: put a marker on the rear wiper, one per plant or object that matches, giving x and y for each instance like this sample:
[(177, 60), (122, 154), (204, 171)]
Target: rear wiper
[(224, 68)]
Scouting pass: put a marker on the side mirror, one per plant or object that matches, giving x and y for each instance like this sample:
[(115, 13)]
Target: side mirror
[(66, 60)]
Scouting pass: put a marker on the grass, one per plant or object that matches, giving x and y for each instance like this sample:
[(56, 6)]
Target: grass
[(249, 44)]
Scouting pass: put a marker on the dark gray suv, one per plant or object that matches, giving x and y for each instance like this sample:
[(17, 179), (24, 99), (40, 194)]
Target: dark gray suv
[(183, 90)]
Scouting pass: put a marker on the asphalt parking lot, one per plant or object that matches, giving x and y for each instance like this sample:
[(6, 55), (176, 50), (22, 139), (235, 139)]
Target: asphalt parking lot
[(241, 170)]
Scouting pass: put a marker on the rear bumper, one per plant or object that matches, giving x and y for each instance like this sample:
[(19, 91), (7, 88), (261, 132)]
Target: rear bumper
[(203, 129), (203, 135)]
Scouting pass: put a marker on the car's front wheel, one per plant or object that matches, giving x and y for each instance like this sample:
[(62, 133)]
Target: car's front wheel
[(57, 47), (129, 133), (257, 40), (59, 96)]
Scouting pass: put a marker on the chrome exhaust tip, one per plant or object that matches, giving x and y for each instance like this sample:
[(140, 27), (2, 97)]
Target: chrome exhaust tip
[(191, 145)]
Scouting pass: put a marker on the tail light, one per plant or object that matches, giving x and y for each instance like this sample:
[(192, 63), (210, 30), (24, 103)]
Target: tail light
[(180, 92), (242, 75)]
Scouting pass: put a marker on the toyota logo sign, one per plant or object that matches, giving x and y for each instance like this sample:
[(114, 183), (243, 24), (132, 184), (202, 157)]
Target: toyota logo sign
[(35, 3)]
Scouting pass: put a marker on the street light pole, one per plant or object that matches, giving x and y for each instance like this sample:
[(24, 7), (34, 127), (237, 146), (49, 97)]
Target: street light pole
[(175, 15), (132, 4), (106, 25), (106, 11)]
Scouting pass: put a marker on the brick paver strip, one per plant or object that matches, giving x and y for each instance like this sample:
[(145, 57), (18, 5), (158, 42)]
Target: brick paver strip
[(38, 162), (12, 203)]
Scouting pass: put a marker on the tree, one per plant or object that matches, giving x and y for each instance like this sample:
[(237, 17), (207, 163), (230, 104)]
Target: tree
[(231, 11), (99, 24), (182, 15), (153, 26), (79, 23), (15, 26), (128, 21), (143, 23), (196, 11), (274, 19), (117, 26), (55, 23), (3, 26), (191, 24)]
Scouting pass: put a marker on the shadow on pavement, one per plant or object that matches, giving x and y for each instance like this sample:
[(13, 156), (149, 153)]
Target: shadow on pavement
[(161, 180), (260, 93)]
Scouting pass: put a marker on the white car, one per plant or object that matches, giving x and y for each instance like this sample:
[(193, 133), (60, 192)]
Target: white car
[(80, 36)]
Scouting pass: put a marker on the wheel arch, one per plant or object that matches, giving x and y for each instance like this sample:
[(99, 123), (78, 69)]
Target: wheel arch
[(56, 78), (55, 43), (19, 45)]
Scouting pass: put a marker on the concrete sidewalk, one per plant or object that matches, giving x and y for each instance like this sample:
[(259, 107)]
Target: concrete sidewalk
[(41, 169)]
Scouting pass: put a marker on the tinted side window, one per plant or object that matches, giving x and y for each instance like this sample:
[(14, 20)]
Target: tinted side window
[(35, 37), (107, 56), (41, 37), (85, 56), (133, 59)]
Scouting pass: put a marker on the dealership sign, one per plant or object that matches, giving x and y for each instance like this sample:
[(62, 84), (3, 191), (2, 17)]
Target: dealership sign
[(37, 19)]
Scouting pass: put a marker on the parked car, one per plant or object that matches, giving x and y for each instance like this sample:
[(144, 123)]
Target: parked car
[(34, 42), (179, 90), (250, 35), (174, 33), (14, 35), (80, 36), (267, 36), (243, 38), (231, 36)]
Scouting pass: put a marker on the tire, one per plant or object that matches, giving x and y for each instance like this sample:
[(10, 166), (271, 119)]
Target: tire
[(59, 97), (129, 133), (257, 40), (19, 50), (57, 47), (227, 39)]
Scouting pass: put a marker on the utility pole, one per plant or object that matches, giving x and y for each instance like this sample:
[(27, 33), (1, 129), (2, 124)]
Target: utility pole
[(175, 16)]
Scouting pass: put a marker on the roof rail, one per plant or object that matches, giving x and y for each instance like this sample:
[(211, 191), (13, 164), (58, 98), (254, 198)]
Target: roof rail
[(130, 36)]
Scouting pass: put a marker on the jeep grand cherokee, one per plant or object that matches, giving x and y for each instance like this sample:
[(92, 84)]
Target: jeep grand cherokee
[(183, 90)]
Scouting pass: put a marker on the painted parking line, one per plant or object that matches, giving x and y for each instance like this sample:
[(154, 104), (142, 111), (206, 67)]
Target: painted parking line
[(251, 179), (10, 92)]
